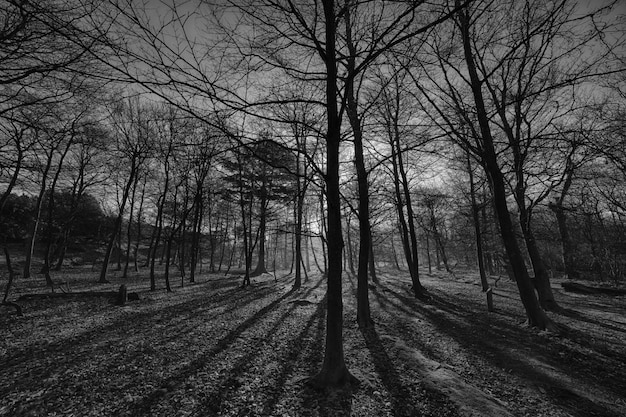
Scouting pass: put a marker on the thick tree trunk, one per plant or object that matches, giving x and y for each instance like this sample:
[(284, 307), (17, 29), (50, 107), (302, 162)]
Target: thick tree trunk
[(536, 315), (542, 278), (334, 371)]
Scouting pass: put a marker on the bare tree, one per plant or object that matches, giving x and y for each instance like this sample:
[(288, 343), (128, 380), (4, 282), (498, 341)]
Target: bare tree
[(132, 145)]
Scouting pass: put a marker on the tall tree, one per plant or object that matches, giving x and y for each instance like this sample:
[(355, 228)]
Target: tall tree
[(132, 145)]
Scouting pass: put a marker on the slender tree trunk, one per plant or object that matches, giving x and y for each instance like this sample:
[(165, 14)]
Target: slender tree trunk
[(261, 268), (129, 228), (7, 289), (372, 266), (195, 239), (168, 256), (317, 264), (246, 240), (224, 233), (298, 221), (349, 244), (117, 226), (428, 257), (324, 233), (439, 245), (16, 172), (62, 249), (51, 203), (307, 260), (567, 244), (32, 232), (478, 236), (139, 228), (158, 227), (395, 254)]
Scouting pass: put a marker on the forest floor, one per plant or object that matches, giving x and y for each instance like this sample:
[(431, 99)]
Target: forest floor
[(212, 348)]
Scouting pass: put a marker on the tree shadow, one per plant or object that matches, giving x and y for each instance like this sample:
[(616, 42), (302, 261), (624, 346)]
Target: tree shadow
[(109, 345), (498, 336), (144, 405), (389, 376)]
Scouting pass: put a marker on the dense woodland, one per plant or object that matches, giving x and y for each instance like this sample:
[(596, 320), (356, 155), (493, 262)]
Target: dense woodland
[(169, 140)]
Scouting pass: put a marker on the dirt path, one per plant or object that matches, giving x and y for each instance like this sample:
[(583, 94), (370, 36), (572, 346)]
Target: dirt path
[(214, 349)]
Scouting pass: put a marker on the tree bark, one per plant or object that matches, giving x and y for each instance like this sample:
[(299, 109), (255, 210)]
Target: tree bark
[(364, 319), (567, 245), (478, 236), (334, 371), (261, 267), (536, 315)]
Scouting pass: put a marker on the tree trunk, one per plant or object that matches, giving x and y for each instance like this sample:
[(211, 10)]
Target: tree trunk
[(32, 233), (246, 241), (363, 315), (542, 278), (158, 227), (372, 266), (261, 267), (536, 315), (478, 236), (395, 254), (7, 289), (319, 267), (430, 263), (129, 229), (118, 221), (440, 250), (195, 237), (567, 245), (350, 257), (297, 283), (168, 256), (138, 240), (334, 371)]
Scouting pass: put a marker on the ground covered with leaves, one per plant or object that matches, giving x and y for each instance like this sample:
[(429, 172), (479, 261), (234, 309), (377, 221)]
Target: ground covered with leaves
[(212, 348)]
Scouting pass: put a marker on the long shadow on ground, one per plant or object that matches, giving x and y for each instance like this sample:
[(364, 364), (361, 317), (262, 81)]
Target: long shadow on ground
[(460, 323), (108, 344), (143, 406)]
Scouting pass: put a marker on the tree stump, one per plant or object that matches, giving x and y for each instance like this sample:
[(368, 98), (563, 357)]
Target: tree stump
[(122, 295)]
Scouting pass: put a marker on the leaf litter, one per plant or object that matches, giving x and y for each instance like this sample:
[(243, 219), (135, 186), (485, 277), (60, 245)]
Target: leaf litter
[(214, 349)]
